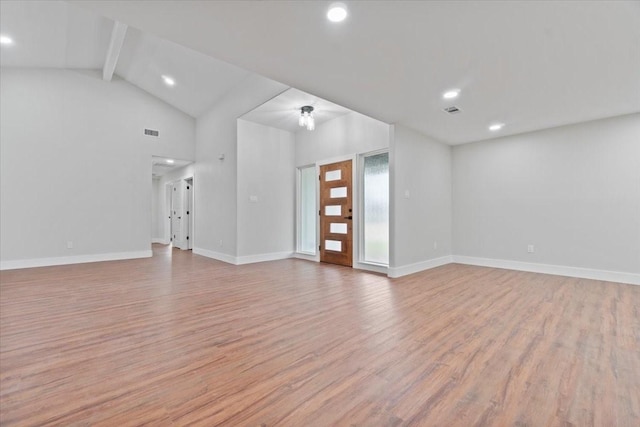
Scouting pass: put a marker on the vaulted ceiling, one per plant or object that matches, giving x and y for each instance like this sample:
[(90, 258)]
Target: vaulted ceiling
[(55, 34), (283, 111), (530, 65)]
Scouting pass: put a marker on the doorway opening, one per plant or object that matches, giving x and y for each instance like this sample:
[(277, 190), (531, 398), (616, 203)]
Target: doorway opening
[(343, 213), (173, 203), (181, 213)]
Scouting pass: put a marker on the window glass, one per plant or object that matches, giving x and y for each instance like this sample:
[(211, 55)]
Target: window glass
[(376, 209)]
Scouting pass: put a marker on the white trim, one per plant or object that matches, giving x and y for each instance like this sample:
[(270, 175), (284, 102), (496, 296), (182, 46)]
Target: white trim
[(371, 267), (337, 159), (404, 270), (246, 259), (360, 210), (230, 259), (559, 270), (308, 257), (273, 256), (77, 259), (299, 204)]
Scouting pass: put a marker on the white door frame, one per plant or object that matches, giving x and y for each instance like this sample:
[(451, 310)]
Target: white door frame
[(356, 184), (168, 191), (189, 206)]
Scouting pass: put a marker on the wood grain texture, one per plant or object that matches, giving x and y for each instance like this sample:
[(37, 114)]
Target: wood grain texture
[(182, 340), (345, 255)]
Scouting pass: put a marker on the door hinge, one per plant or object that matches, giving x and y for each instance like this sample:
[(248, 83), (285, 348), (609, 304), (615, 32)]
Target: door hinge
[(320, 212), (319, 247), (187, 212), (319, 177), (187, 237)]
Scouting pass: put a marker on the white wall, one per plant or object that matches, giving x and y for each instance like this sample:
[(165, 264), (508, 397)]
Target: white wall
[(349, 134), (420, 166), (161, 214), (573, 192), (216, 180), (266, 172), (76, 166)]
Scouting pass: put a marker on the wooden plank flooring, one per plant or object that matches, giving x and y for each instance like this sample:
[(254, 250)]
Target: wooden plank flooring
[(184, 340)]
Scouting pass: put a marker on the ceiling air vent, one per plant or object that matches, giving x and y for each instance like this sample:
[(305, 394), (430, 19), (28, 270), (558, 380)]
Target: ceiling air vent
[(151, 132), (452, 110)]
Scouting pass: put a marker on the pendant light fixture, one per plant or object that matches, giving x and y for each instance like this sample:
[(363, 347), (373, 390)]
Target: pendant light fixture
[(306, 117)]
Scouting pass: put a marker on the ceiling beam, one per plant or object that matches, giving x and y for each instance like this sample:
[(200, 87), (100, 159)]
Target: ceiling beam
[(115, 46)]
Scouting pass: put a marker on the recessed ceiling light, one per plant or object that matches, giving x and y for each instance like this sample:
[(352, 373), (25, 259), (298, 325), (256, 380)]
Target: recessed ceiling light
[(5, 39), (170, 161), (169, 81), (337, 12), (450, 94), (496, 126)]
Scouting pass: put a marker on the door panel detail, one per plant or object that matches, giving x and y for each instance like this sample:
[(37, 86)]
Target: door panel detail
[(336, 228)]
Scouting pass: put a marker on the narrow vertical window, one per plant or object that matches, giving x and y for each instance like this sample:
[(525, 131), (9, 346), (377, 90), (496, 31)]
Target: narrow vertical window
[(307, 210), (376, 209)]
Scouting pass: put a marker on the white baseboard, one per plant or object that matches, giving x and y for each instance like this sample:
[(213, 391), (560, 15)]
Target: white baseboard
[(403, 270), (230, 259), (307, 257), (559, 270), (273, 256), (246, 259), (371, 267), (77, 259), (160, 240)]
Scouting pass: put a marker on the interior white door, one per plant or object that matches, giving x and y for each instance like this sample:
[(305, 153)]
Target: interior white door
[(188, 214), (177, 212), (168, 223)]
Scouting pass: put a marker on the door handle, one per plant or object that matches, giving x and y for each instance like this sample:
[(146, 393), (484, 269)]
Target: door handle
[(348, 217)]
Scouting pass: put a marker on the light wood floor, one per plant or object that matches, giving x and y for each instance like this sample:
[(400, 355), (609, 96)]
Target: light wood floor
[(185, 340)]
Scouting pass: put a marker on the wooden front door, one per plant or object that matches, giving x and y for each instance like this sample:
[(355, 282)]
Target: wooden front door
[(336, 213)]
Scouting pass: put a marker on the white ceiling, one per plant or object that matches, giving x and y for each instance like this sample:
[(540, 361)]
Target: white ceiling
[(200, 80), (531, 65), (55, 34), (283, 111)]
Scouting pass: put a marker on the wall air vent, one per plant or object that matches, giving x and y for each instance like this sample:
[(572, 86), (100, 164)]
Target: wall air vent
[(151, 132), (452, 110)]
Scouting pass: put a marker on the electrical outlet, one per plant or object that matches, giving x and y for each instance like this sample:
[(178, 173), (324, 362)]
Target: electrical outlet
[(221, 243), (69, 244), (435, 244), (530, 249)]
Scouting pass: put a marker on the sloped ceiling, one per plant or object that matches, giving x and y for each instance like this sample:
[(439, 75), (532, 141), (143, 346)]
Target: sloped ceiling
[(54, 34), (283, 111), (200, 80), (529, 64)]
